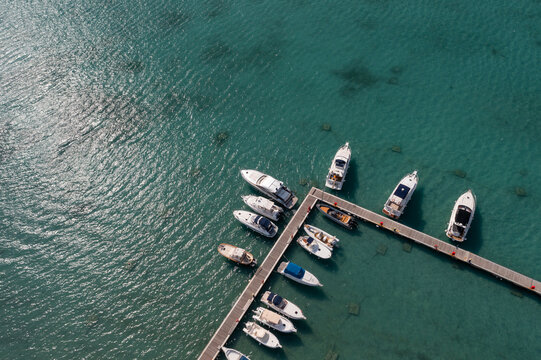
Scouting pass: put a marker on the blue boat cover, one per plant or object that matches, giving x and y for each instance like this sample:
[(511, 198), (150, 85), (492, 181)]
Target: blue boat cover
[(309, 240), (264, 222), (271, 295), (277, 300), (294, 270), (244, 358), (402, 191)]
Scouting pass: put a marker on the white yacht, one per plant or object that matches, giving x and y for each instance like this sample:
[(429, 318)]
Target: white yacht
[(327, 239), (314, 247), (256, 222), (401, 195), (339, 167), (271, 187), (236, 254), (261, 335), (232, 354), (298, 274), (263, 206), (273, 320), (283, 306), (461, 217)]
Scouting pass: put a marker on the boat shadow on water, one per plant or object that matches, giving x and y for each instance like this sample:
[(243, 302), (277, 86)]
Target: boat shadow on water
[(413, 214), (351, 185), (474, 237)]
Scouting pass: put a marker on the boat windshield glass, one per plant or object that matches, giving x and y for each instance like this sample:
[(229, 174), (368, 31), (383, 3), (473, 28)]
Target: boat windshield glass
[(463, 215), (309, 240), (401, 191), (340, 163), (294, 270), (264, 223), (244, 358)]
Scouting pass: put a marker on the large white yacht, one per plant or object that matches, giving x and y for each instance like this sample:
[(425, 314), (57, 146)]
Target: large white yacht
[(263, 206), (461, 217), (284, 306), (271, 187), (401, 195), (339, 167), (261, 335)]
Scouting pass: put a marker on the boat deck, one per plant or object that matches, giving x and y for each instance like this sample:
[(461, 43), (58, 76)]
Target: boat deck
[(256, 283)]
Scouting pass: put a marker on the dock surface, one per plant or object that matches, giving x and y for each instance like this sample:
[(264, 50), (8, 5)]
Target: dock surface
[(257, 282)]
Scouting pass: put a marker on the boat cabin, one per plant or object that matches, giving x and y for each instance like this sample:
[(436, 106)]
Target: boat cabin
[(294, 270)]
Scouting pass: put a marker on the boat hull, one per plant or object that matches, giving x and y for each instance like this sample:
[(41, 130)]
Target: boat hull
[(316, 247), (286, 307), (339, 167), (401, 195), (284, 325), (459, 226), (254, 178), (245, 217), (338, 216), (232, 354), (261, 335), (263, 206), (308, 278), (324, 237), (231, 252)]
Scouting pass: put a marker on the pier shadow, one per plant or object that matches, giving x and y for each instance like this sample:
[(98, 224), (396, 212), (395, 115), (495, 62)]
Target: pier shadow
[(474, 237), (413, 215)]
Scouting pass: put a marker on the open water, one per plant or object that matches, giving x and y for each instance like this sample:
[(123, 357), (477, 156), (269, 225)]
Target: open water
[(124, 124)]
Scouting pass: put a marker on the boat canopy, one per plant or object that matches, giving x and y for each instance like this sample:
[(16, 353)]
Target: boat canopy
[(402, 191), (463, 215), (309, 240), (294, 270), (270, 317), (264, 222)]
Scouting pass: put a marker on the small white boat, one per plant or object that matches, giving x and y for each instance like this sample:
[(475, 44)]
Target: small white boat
[(327, 239), (283, 306), (232, 354), (271, 187), (273, 320), (401, 195), (261, 335), (461, 217), (256, 222), (236, 254), (315, 247), (339, 167), (263, 206), (298, 274)]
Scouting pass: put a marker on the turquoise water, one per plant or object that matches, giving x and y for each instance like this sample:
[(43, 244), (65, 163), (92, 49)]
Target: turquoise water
[(124, 124)]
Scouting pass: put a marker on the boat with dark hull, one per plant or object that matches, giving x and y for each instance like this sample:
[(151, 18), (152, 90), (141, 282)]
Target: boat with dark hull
[(338, 216)]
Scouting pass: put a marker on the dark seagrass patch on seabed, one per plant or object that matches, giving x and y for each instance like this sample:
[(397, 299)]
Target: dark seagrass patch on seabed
[(459, 173), (520, 191), (356, 77)]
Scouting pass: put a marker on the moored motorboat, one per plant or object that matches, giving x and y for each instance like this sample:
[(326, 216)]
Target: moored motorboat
[(261, 335), (256, 222), (263, 206), (461, 217), (338, 216), (232, 354), (236, 254), (339, 167), (298, 274), (273, 320), (401, 195), (314, 246), (271, 187), (283, 306), (327, 239)]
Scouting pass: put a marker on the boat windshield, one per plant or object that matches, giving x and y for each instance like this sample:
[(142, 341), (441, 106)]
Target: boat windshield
[(294, 270), (340, 163), (309, 240), (264, 223), (277, 300), (401, 191), (458, 229), (463, 215)]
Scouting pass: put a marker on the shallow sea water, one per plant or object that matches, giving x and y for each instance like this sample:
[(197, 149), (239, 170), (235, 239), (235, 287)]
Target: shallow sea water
[(123, 127)]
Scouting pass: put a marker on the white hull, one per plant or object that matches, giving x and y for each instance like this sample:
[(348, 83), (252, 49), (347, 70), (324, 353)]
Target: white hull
[(401, 195), (261, 335), (461, 217), (339, 168), (253, 221), (273, 320), (271, 187), (307, 278), (314, 247), (263, 206), (283, 306), (232, 354), (327, 239)]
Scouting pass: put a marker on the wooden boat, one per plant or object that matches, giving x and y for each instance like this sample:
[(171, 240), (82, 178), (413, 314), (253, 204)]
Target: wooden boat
[(261, 335), (270, 187), (273, 320), (327, 239), (339, 168), (338, 216), (401, 195), (314, 247), (232, 354), (236, 254), (263, 206), (283, 306), (298, 274), (461, 217)]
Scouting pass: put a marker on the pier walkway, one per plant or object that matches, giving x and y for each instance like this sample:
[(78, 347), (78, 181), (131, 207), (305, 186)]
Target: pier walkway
[(256, 283)]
